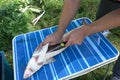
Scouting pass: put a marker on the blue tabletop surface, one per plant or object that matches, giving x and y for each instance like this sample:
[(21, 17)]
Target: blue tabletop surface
[(95, 49)]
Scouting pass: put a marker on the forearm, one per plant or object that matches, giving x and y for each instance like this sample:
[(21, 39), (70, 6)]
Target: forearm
[(108, 21), (69, 10)]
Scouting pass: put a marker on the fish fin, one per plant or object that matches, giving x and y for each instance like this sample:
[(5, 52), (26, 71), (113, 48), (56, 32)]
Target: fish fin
[(50, 60)]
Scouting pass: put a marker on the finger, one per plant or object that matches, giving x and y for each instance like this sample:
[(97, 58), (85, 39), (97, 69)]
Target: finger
[(79, 43), (41, 44), (44, 42), (68, 43), (61, 40), (52, 43)]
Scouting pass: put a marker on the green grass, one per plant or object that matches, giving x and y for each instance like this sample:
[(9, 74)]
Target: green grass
[(53, 11), (88, 9)]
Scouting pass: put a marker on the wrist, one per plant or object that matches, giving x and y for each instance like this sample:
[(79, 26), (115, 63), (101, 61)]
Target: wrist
[(59, 33), (88, 30)]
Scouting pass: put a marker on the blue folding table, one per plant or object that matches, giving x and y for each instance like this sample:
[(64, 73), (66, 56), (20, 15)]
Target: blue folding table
[(94, 52)]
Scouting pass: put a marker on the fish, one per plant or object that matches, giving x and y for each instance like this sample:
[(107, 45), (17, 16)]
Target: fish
[(41, 56), (44, 55)]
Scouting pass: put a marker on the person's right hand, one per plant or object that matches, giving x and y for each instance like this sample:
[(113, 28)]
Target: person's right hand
[(52, 39)]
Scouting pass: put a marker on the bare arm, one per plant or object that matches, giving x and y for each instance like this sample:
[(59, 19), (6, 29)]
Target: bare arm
[(69, 10), (109, 21)]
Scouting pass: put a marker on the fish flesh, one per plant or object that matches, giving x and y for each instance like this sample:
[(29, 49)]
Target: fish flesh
[(44, 55)]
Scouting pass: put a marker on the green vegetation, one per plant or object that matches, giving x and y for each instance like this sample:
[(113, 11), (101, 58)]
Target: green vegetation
[(14, 22)]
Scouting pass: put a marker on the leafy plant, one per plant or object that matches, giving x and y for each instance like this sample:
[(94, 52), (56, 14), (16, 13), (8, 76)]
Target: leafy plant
[(13, 22), (38, 3), (53, 10)]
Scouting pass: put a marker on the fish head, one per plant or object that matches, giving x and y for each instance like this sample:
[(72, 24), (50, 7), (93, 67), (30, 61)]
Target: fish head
[(36, 61), (31, 68), (27, 73)]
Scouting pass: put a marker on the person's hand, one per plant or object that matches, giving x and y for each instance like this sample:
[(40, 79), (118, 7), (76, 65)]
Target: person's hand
[(52, 39), (75, 37)]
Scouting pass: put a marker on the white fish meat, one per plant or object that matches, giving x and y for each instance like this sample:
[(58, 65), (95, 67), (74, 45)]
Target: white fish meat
[(42, 55)]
